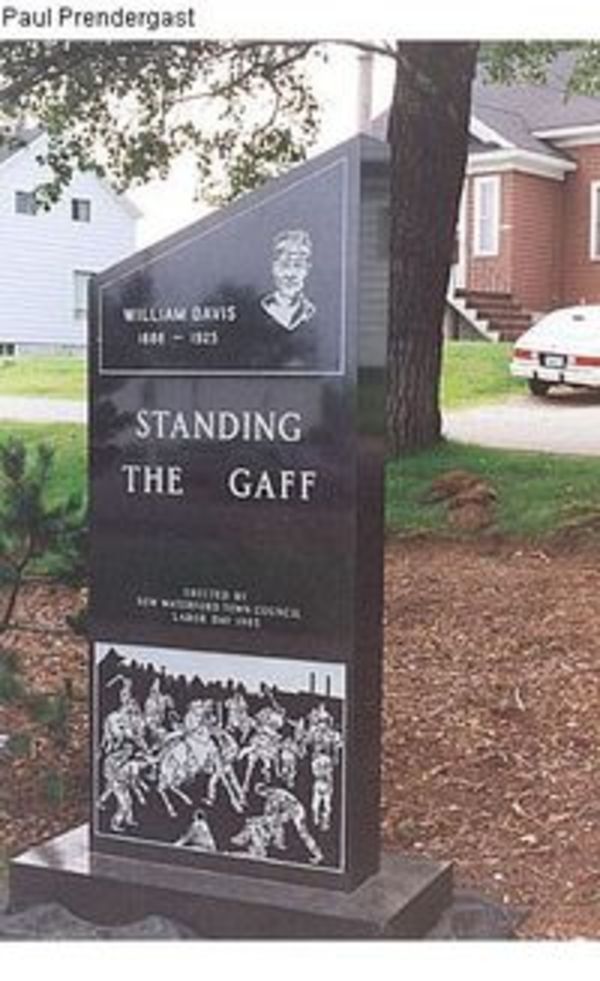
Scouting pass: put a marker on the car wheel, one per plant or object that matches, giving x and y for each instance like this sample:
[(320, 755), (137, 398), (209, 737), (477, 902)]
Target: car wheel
[(538, 387)]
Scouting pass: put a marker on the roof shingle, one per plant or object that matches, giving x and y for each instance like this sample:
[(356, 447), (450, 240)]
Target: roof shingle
[(517, 112)]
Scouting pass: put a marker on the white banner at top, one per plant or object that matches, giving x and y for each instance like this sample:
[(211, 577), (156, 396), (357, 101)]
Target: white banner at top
[(189, 20)]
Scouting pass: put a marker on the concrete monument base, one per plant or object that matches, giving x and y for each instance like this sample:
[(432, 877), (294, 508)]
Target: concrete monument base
[(404, 900)]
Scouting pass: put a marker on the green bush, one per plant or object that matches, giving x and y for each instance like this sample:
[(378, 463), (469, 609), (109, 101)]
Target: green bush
[(55, 787), (11, 685), (53, 712), (19, 744), (31, 526)]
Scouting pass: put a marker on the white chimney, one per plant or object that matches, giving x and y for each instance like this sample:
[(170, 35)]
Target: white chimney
[(365, 91)]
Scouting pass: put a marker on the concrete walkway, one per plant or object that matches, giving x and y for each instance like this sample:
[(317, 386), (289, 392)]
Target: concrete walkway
[(28, 409), (565, 422)]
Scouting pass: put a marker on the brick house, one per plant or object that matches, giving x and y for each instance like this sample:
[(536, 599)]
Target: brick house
[(528, 236)]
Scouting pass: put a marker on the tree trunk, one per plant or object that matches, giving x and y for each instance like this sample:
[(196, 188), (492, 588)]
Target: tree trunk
[(428, 134), (18, 571), (12, 599)]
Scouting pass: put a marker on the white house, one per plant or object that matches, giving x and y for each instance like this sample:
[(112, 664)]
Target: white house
[(47, 257)]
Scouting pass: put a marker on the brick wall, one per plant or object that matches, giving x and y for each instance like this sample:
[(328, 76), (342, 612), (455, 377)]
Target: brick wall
[(581, 276), (544, 245), (534, 215), (530, 256)]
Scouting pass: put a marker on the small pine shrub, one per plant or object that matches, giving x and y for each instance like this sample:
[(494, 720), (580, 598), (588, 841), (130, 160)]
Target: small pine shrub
[(55, 788), (19, 744), (51, 711), (31, 527), (11, 685)]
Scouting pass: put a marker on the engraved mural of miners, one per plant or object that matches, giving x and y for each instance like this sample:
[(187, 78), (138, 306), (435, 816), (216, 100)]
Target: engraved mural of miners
[(282, 809), (322, 768), (198, 835), (209, 759), (156, 712), (288, 305)]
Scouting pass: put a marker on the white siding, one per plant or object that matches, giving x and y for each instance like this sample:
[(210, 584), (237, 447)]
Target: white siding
[(40, 253), (374, 268)]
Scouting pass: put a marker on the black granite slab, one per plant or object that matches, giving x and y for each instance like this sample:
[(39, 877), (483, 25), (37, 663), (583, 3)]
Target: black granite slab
[(236, 525)]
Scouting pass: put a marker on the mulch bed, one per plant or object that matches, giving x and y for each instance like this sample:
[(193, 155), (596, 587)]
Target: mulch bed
[(491, 723), (43, 790)]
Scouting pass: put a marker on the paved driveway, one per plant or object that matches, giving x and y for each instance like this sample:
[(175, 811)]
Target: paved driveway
[(565, 422), (25, 409)]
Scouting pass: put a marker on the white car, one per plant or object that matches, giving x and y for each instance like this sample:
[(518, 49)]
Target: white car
[(562, 348)]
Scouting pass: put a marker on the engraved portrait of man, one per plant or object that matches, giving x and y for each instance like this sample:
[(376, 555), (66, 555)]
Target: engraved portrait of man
[(288, 304)]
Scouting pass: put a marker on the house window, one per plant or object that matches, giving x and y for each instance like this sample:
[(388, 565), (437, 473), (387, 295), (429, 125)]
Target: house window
[(25, 203), (81, 284), (595, 220), (7, 350), (487, 216), (81, 209)]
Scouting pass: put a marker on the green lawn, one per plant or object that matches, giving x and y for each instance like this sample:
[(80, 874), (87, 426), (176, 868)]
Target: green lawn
[(537, 492), (69, 476), (49, 377), (473, 371), (476, 372), (69, 442)]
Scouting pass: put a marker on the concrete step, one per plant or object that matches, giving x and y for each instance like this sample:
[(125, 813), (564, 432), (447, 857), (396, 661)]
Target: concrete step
[(502, 313)]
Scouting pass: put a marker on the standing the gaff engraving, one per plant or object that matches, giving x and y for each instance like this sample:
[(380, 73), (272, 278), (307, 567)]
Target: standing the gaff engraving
[(220, 768)]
